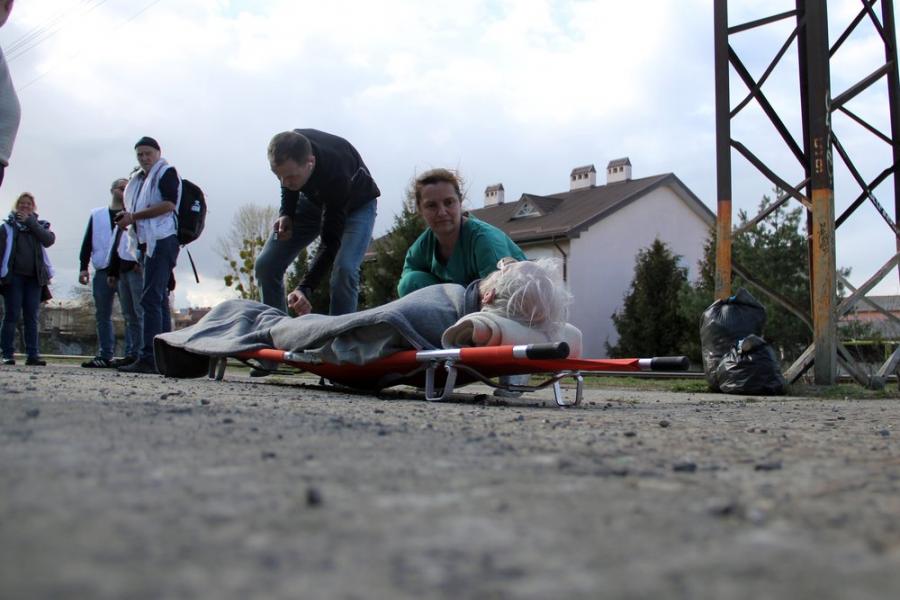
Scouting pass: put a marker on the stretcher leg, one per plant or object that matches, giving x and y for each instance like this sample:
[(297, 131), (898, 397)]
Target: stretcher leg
[(217, 366), (449, 384)]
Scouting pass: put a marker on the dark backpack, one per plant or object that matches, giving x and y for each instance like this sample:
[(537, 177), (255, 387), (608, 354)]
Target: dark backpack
[(191, 216)]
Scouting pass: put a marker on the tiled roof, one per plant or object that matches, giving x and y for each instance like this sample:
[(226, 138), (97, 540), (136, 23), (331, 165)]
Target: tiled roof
[(619, 162), (888, 303), (567, 214), (583, 170), (493, 188)]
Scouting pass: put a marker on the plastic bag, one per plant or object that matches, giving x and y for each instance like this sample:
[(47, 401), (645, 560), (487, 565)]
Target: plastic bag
[(723, 324), (751, 367)]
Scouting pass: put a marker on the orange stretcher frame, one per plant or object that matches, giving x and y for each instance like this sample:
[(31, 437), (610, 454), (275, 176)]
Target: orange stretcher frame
[(450, 368)]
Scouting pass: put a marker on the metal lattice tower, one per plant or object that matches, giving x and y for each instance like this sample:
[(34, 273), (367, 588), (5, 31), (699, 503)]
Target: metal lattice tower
[(815, 153)]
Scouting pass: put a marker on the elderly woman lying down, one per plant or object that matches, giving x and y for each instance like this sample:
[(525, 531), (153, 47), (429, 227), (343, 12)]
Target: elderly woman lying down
[(523, 302)]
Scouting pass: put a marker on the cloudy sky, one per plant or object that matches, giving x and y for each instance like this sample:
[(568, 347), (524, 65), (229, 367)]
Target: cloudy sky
[(511, 91)]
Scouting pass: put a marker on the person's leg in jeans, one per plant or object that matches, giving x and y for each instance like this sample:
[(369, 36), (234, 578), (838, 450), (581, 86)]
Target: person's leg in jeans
[(31, 307), (277, 255), (166, 314), (157, 269), (131, 285), (103, 302), (12, 308), (345, 271)]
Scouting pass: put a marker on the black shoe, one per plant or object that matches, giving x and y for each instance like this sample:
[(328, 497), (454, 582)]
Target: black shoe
[(121, 362), (256, 372), (35, 361), (9, 361), (97, 363), (140, 366)]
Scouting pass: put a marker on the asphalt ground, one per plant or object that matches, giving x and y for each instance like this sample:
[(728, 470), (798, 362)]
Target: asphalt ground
[(137, 486)]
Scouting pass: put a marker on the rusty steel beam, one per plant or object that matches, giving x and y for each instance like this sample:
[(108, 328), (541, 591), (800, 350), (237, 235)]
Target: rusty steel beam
[(893, 81), (823, 276), (723, 152)]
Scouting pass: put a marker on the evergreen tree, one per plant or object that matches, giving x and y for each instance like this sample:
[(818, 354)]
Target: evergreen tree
[(381, 273), (650, 322)]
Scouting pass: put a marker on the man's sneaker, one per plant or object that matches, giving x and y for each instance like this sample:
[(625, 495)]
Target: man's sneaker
[(9, 361), (265, 368), (97, 363), (141, 365), (35, 361), (122, 362)]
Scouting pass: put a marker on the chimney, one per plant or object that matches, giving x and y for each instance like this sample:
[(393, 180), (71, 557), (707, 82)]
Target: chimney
[(493, 194), (582, 177), (618, 170)]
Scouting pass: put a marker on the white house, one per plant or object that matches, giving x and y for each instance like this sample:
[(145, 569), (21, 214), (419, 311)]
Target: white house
[(597, 231)]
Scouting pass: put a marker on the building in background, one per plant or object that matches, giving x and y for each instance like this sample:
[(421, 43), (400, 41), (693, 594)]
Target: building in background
[(597, 232)]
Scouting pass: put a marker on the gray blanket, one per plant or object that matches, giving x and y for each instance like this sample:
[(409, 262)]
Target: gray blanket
[(414, 322)]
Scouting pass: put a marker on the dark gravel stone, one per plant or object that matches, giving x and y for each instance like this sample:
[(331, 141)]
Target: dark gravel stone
[(313, 496), (629, 434), (664, 423), (684, 467), (770, 466), (268, 455), (32, 413), (884, 433)]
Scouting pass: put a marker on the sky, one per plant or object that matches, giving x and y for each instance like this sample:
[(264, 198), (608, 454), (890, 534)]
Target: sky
[(516, 92)]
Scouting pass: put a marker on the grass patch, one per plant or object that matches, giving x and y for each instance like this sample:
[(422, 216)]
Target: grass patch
[(841, 391)]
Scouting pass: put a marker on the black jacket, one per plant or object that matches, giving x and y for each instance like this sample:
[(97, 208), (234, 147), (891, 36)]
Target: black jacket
[(340, 184), (41, 231)]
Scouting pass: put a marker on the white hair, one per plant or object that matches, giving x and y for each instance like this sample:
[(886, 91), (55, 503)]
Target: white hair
[(531, 292)]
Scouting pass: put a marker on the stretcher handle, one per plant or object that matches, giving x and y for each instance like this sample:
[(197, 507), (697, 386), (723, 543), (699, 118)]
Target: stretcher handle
[(550, 350), (670, 363)]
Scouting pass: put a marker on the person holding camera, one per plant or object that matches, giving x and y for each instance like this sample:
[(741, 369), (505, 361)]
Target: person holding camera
[(25, 271)]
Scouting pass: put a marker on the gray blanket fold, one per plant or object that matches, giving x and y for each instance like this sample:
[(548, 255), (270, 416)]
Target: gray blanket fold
[(415, 322)]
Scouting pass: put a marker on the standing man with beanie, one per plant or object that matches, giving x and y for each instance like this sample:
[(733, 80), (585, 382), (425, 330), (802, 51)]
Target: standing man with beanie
[(97, 248), (151, 198), (10, 111), (327, 191)]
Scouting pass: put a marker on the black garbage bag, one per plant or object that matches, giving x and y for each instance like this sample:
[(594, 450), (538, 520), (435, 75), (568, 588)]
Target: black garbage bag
[(723, 324), (751, 367)]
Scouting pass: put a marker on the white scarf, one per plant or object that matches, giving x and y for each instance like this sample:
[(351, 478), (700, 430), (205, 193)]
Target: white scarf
[(138, 197)]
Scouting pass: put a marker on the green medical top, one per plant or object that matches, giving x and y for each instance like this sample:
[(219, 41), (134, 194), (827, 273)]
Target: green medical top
[(477, 251)]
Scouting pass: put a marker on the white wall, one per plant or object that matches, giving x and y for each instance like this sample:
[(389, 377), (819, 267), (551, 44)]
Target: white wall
[(601, 260)]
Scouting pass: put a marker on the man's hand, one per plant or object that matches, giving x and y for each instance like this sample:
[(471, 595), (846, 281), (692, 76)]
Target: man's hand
[(112, 282), (84, 277), (284, 228), (298, 303), (124, 219)]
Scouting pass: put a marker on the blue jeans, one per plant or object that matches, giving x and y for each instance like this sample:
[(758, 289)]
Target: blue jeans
[(21, 295), (155, 296), (131, 286), (103, 303), (277, 256)]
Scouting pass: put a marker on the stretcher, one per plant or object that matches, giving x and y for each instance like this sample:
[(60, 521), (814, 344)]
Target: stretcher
[(440, 372)]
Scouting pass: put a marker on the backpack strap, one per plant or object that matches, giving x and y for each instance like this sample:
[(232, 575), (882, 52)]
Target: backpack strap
[(193, 266)]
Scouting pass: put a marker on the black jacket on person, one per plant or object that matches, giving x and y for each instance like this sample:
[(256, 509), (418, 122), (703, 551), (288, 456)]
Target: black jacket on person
[(45, 238), (340, 184)]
